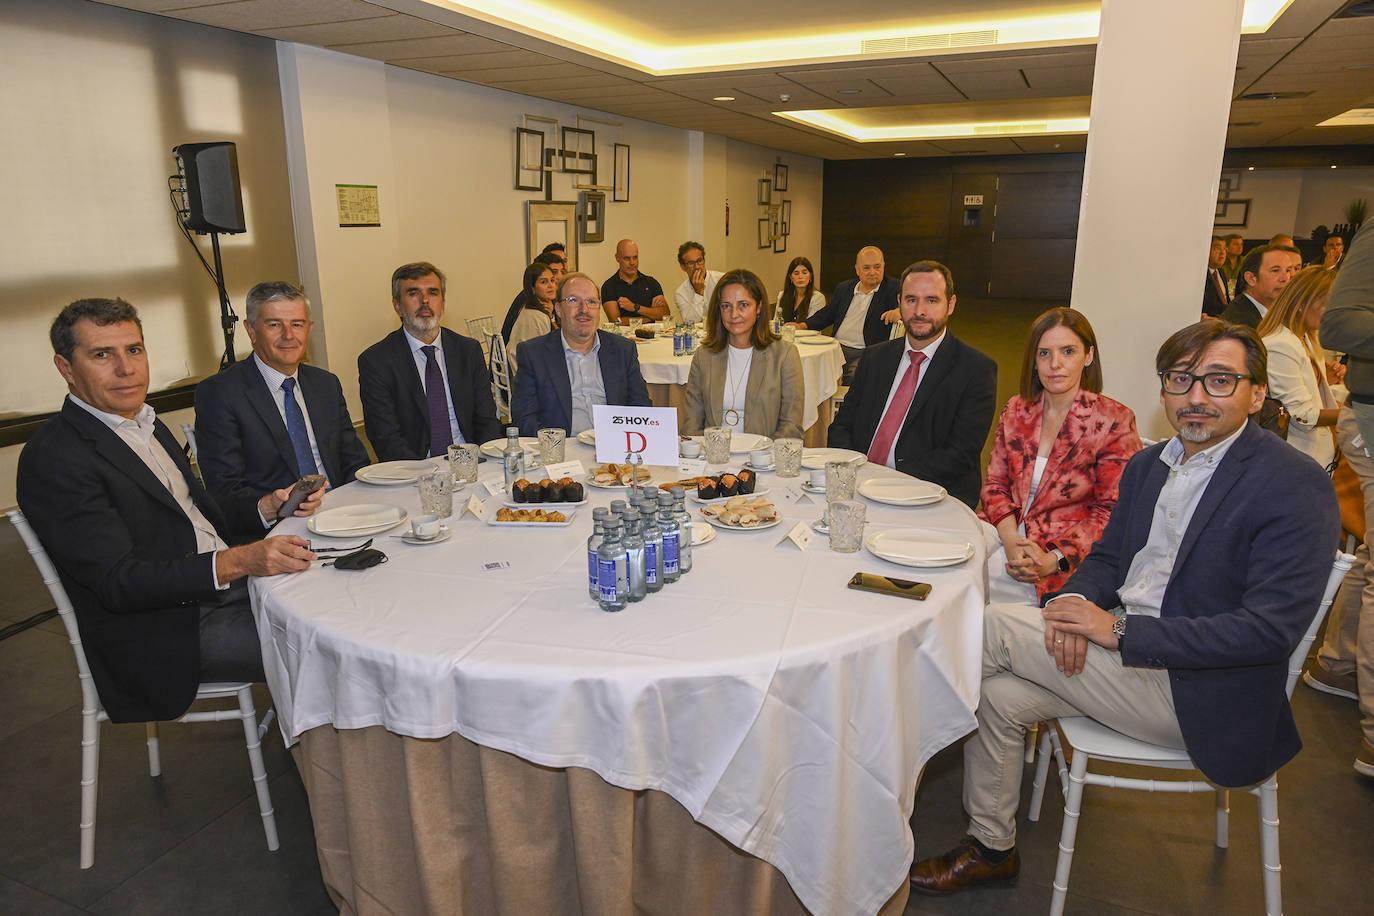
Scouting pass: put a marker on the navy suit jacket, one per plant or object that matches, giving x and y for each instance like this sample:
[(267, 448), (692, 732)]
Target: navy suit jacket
[(1247, 580), (395, 412), (242, 445), (126, 554), (543, 393), (875, 330)]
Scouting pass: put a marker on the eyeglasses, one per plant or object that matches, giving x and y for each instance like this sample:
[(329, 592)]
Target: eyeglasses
[(693, 265), (574, 302), (1217, 384)]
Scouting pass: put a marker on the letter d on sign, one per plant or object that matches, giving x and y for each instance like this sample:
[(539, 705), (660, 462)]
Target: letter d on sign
[(635, 443)]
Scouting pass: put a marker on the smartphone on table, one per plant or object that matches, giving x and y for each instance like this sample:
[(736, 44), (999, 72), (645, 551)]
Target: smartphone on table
[(889, 585)]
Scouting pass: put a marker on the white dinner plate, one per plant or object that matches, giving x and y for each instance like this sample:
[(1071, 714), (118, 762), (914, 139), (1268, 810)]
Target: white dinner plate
[(587, 437), (570, 513), (815, 458), (721, 499), (806, 332), (741, 443), (815, 341), (496, 447), (913, 547), (396, 473), (717, 523), (356, 521), (897, 491)]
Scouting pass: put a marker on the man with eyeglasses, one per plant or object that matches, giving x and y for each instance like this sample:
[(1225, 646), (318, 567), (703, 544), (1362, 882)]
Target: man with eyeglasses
[(691, 297), (571, 369), (1177, 627)]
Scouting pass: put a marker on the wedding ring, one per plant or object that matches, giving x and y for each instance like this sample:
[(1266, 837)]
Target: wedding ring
[(1059, 641)]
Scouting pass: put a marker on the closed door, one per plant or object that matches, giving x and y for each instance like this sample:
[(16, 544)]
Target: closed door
[(972, 228)]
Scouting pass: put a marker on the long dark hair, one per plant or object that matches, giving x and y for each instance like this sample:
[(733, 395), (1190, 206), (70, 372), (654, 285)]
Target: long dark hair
[(789, 308), (526, 300), (716, 335)]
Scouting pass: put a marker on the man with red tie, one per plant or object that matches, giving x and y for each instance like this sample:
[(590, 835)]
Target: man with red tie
[(1215, 296), (923, 404)]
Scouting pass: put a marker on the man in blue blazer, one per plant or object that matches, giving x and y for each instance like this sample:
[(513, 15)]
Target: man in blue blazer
[(1177, 627), (269, 420), (861, 310), (566, 372)]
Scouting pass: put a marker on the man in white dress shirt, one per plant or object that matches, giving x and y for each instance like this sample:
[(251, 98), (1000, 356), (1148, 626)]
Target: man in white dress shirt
[(860, 310), (692, 296)]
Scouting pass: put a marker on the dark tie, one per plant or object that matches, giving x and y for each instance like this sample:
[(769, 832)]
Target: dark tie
[(295, 428), (896, 411), (440, 432)]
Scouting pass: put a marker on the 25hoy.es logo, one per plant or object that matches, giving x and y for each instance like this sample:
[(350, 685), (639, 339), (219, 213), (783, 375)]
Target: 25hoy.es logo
[(635, 442)]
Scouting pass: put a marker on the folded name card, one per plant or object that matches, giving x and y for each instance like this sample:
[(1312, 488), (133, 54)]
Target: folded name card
[(799, 536), (477, 507), (573, 469), (692, 467)]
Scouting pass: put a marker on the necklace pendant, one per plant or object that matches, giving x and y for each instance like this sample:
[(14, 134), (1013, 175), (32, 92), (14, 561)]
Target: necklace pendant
[(732, 417)]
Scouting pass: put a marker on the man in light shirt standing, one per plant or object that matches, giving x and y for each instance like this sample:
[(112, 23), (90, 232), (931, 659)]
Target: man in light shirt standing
[(860, 310), (140, 546), (694, 292), (1177, 627)]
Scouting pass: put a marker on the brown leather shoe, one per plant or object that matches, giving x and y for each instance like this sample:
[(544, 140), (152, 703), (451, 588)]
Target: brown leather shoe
[(962, 867), (1364, 759)]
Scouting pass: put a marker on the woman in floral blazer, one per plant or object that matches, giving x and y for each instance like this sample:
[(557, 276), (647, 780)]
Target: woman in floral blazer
[(1060, 449)]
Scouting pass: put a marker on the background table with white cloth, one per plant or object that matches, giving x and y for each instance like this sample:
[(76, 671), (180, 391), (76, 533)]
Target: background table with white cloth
[(822, 363), (450, 701)]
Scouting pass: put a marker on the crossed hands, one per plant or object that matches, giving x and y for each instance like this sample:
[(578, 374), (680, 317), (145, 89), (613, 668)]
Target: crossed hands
[(1026, 561), (1071, 623)]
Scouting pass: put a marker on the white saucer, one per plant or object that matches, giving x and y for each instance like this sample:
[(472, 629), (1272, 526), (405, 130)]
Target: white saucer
[(820, 526), (702, 534), (817, 491), (761, 467), (410, 538)]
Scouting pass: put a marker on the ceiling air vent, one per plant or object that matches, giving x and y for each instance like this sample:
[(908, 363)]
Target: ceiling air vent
[(1274, 96), (1359, 9), (973, 39), (1244, 123)]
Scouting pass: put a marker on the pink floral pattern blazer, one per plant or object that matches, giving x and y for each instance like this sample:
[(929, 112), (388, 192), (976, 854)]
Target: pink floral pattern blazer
[(1078, 490)]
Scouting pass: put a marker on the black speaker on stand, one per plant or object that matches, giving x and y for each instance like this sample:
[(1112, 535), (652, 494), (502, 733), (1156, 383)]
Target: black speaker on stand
[(208, 201)]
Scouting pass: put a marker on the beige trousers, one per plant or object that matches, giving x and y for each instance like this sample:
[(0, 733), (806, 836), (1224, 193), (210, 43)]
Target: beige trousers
[(1022, 686), (1349, 643)]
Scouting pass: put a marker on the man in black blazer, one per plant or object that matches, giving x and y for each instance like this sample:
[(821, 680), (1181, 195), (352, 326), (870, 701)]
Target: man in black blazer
[(266, 421), (575, 367), (923, 404), (860, 310), (424, 387), (1214, 295), (1264, 273), (1178, 626), (141, 548)]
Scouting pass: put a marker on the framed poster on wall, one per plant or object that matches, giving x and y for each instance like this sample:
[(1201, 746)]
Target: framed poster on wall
[(548, 221)]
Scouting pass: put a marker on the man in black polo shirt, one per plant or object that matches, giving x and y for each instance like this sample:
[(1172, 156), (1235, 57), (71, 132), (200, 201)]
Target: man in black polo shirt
[(629, 293)]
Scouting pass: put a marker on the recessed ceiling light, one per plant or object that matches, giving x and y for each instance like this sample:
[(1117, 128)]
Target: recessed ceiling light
[(848, 92), (723, 98), (1355, 117), (1250, 168), (903, 154), (1333, 166)]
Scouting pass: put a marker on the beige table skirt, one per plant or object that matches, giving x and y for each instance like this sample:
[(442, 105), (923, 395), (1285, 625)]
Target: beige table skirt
[(813, 437), (407, 825)]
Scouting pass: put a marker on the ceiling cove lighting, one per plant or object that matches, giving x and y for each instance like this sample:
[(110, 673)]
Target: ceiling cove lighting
[(892, 41), (723, 98), (835, 122), (1355, 117)]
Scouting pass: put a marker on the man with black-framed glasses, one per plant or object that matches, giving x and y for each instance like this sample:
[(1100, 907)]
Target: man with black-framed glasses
[(1177, 627), (575, 367)]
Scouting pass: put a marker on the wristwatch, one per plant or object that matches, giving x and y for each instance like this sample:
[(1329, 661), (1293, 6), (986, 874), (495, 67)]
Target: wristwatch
[(1063, 560), (1119, 631)]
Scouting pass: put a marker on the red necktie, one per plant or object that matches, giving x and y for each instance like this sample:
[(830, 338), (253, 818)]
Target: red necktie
[(896, 411)]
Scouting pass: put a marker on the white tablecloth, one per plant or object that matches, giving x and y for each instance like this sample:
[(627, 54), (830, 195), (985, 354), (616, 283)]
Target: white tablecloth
[(821, 367), (784, 711)]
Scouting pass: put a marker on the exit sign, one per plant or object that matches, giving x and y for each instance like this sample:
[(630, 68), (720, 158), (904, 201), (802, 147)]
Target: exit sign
[(973, 200)]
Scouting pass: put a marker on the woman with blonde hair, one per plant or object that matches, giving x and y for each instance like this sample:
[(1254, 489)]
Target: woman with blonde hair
[(1298, 376)]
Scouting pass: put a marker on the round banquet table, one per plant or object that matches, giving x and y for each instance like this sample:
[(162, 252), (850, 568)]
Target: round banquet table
[(450, 702), (822, 364)]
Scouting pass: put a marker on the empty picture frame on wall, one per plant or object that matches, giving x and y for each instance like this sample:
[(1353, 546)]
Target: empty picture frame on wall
[(620, 176), (1230, 182), (779, 177), (787, 217), (765, 232), (779, 239), (549, 221), (1233, 213), (765, 192), (579, 151), (592, 216), (529, 159)]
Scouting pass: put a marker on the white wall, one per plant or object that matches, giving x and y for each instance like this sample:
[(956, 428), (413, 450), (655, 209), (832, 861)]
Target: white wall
[(745, 165), (1296, 201)]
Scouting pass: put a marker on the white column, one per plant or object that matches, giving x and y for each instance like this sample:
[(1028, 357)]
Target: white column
[(706, 195), (1161, 97)]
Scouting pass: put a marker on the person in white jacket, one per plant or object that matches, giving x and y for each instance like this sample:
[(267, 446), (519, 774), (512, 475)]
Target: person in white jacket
[(691, 297), (1298, 374)]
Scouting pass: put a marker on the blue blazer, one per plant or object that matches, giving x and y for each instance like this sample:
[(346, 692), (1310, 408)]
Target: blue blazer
[(542, 398), (833, 312), (243, 448), (1247, 580)]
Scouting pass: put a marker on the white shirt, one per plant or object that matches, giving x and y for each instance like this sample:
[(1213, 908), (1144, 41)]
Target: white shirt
[(588, 388), (1142, 592), (138, 435), (691, 305), (1041, 462), (1259, 306), (274, 380), (419, 355), (736, 385), (850, 333), (902, 364)]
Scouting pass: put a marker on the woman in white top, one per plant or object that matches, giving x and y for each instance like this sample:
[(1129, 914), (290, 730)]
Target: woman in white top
[(744, 376), (1298, 375), (531, 315), (798, 297)]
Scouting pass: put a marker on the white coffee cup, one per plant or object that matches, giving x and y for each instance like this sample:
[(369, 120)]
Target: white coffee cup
[(817, 478), (690, 448), (425, 527), (761, 457)]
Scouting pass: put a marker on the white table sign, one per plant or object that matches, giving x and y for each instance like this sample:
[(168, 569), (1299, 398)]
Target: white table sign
[(800, 536), (476, 507), (496, 487), (573, 469), (649, 432), (692, 467)]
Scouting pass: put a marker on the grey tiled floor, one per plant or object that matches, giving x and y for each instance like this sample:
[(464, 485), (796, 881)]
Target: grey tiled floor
[(191, 841)]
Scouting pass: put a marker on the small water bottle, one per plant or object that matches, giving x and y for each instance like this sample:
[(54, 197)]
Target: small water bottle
[(599, 517), (653, 547), (684, 530), (687, 343), (612, 574), (677, 339), (618, 508), (634, 555), (512, 459), (672, 571)]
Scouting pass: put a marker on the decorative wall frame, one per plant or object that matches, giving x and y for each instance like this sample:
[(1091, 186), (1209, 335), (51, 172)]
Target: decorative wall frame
[(1232, 213), (620, 174), (765, 232), (786, 216), (1230, 182), (579, 151), (529, 159), (591, 216), (779, 239), (551, 221), (765, 192), (779, 177)]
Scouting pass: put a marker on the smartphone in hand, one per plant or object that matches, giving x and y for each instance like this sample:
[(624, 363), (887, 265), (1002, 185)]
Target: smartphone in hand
[(300, 490)]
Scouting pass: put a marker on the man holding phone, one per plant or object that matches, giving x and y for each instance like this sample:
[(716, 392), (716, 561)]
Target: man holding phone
[(142, 549)]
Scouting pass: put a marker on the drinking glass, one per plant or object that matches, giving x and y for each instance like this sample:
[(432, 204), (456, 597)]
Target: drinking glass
[(717, 445), (846, 525), (634, 325), (788, 455), (462, 463), (840, 477), (551, 442), (789, 334), (436, 494)]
